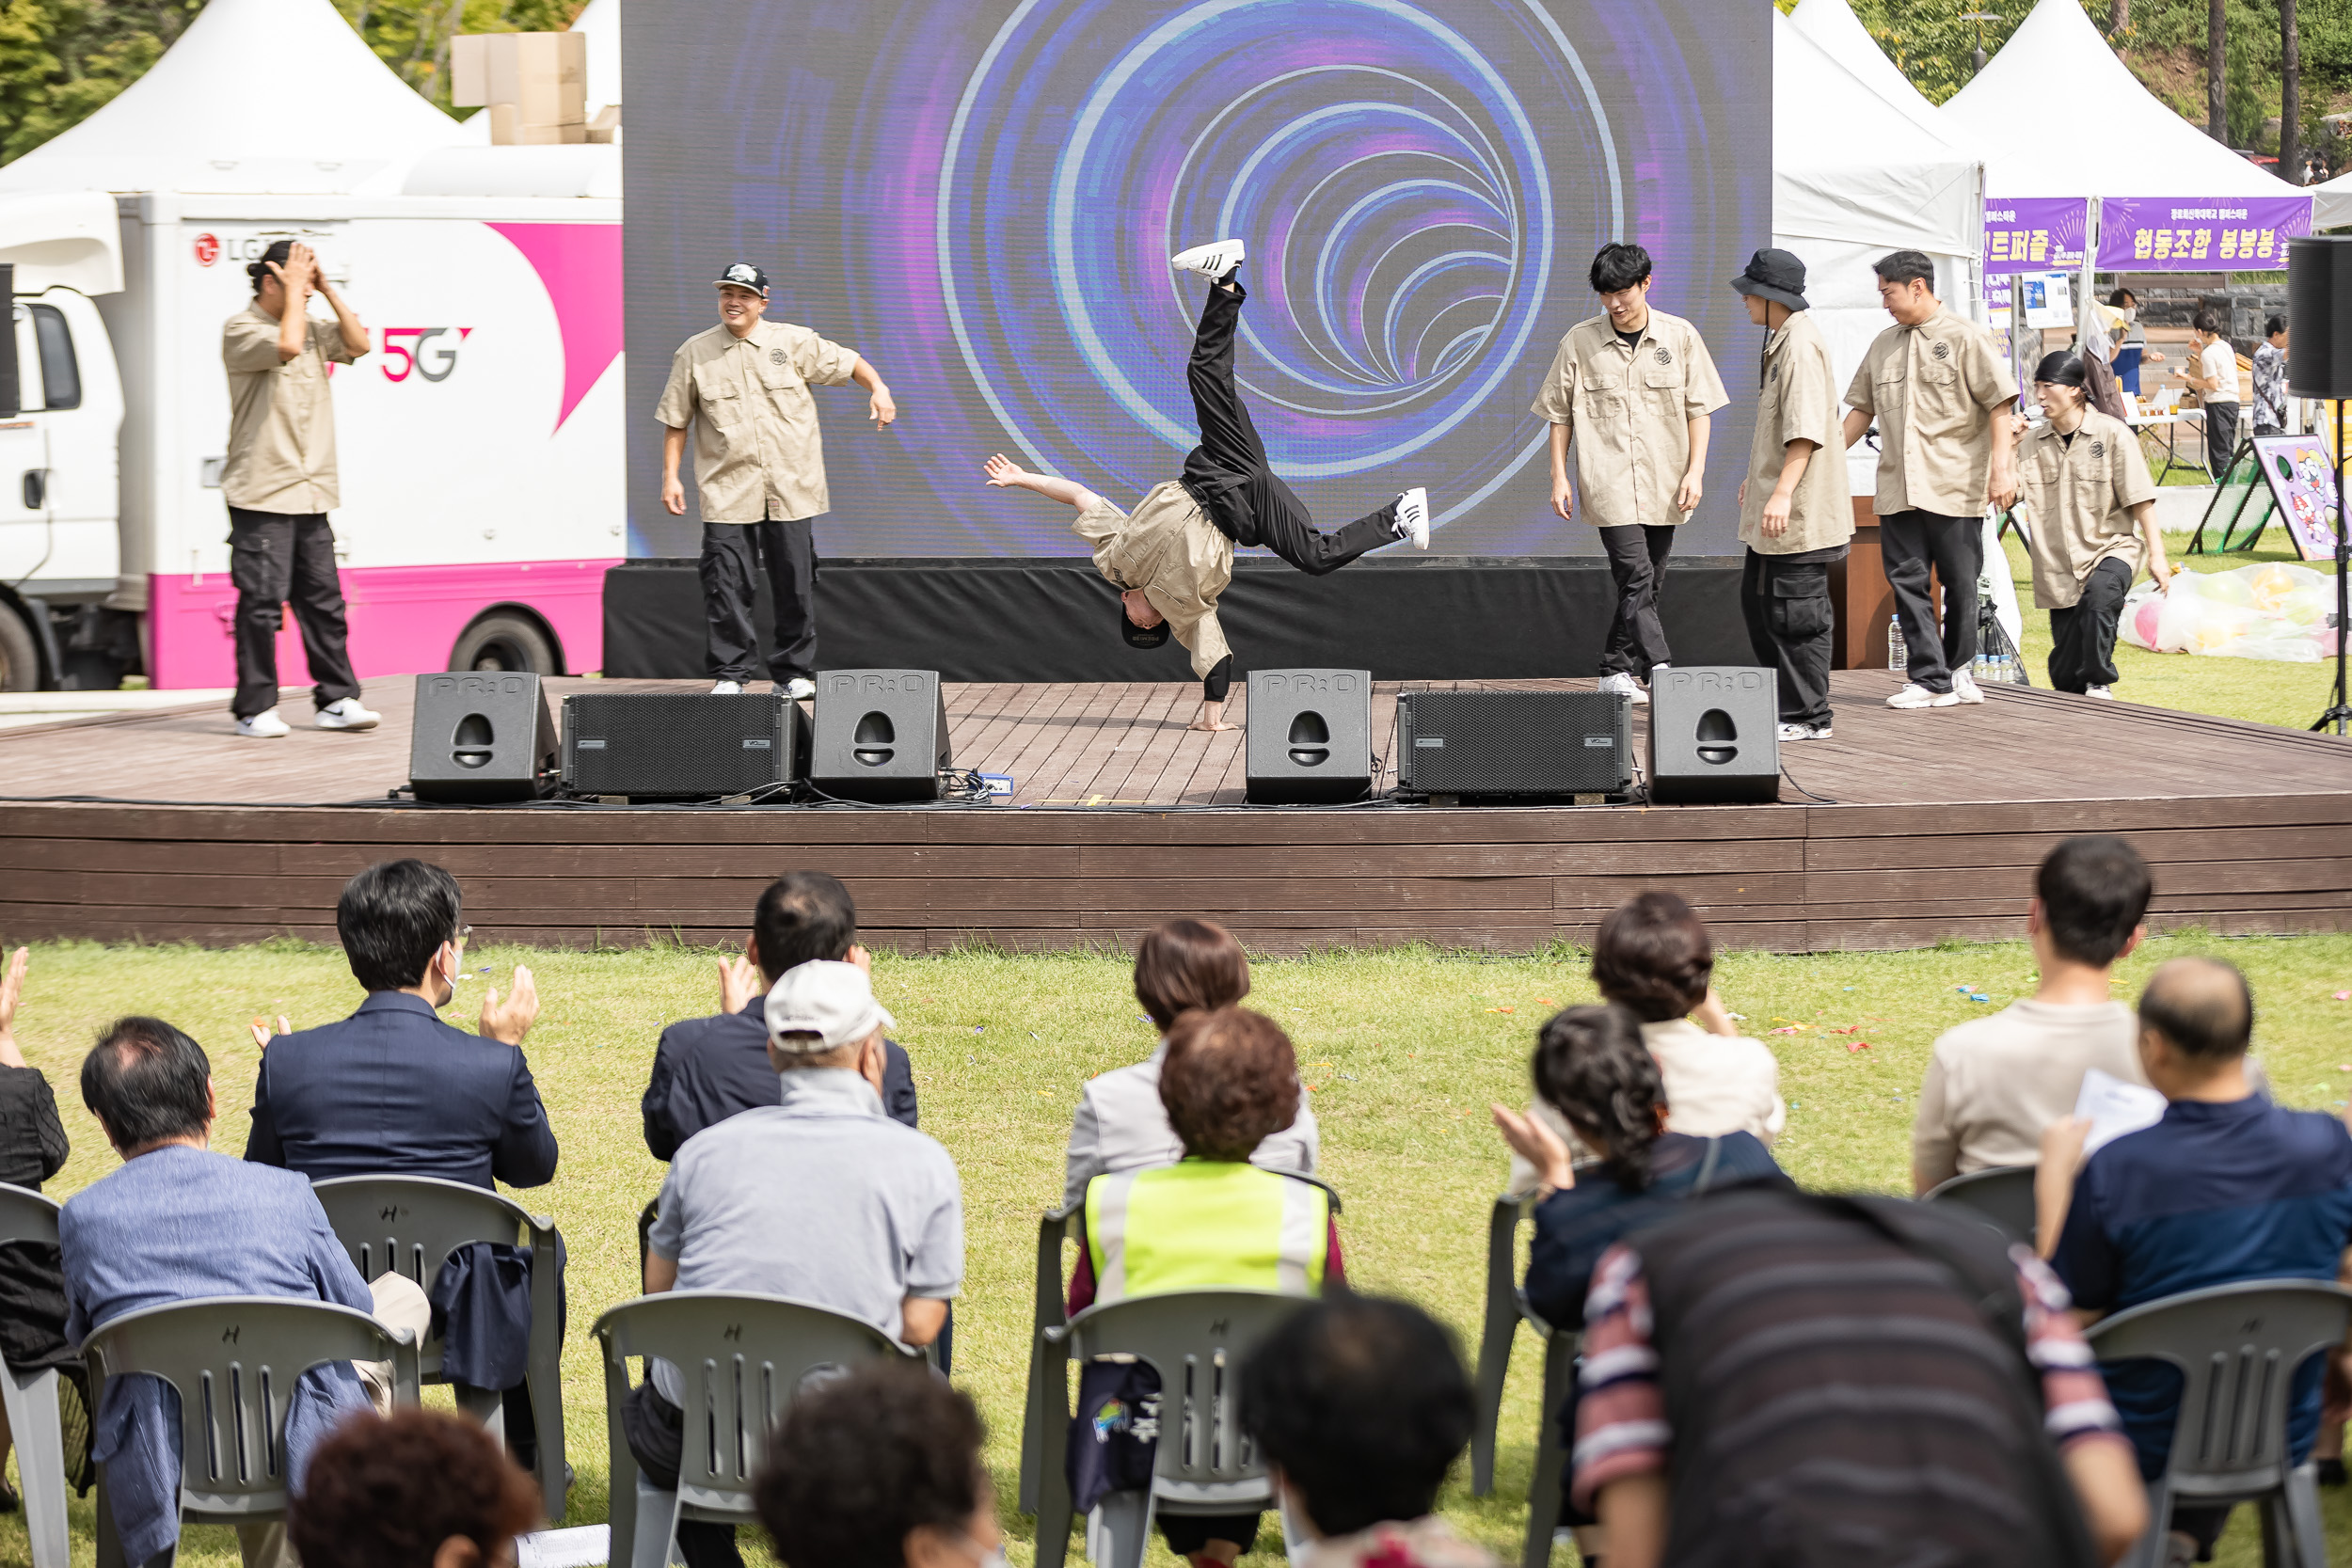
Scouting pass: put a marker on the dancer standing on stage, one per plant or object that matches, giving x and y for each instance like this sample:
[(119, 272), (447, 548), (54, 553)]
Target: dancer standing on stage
[(2085, 494), (280, 481), (1795, 515), (1174, 555), (1644, 389), (759, 467), (1945, 405)]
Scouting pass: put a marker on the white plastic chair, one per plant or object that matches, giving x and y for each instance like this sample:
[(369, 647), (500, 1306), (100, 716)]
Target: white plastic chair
[(1506, 1309), (31, 1399)]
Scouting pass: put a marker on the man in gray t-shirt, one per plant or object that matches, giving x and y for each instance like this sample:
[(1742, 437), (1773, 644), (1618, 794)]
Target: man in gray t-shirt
[(822, 1197)]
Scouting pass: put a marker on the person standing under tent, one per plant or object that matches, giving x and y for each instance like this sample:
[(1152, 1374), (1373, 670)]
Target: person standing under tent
[(1795, 515), (2083, 490), (2130, 349), (2217, 383), (1946, 406), (1644, 384), (1172, 556), (280, 482), (2270, 379), (759, 467)]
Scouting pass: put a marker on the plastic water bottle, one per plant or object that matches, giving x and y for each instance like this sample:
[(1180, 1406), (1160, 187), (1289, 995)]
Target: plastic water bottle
[(1898, 654)]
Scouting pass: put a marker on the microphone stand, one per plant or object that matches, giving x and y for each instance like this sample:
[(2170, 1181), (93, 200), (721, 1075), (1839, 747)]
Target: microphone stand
[(2340, 711)]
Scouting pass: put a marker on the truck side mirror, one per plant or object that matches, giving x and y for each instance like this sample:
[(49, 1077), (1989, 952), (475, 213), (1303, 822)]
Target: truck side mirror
[(9, 394)]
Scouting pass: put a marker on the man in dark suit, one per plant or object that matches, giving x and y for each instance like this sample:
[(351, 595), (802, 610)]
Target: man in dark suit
[(705, 1069), (393, 1090)]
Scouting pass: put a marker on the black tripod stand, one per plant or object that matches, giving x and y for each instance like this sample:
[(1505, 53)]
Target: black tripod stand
[(2339, 710)]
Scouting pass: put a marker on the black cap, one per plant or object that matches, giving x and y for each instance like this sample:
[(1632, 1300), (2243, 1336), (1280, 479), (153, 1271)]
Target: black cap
[(1141, 637), (1776, 275), (2060, 369), (743, 274)]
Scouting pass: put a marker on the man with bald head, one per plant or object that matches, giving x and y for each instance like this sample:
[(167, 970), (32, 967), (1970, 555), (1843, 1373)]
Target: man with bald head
[(2226, 1187)]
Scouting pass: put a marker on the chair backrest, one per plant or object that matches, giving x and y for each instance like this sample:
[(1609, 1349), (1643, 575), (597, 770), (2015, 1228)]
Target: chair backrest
[(2237, 1346), (234, 1361), (742, 1357), (1197, 1340), (26, 1216), (409, 1223), (2001, 1194)]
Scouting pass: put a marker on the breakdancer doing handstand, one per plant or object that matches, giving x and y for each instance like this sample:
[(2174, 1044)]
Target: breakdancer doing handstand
[(1174, 555)]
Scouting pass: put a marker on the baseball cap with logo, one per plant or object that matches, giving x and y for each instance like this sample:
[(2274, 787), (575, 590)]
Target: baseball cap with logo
[(834, 1002), (743, 274)]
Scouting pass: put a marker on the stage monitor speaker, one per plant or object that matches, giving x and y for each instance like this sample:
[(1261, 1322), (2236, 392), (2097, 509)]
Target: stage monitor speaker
[(1310, 737), (2319, 309), (1514, 743), (1714, 734), (881, 735), (478, 737), (682, 745)]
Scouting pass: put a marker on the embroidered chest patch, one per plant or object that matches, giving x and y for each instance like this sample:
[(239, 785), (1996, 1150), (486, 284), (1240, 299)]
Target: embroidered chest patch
[(1942, 351), (775, 357), (1663, 358), (2098, 449)]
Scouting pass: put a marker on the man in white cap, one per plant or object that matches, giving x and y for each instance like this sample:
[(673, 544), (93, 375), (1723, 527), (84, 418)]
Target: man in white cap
[(821, 1197), (759, 467)]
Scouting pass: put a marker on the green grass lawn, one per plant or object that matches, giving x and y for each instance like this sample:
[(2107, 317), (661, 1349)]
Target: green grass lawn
[(1403, 1051)]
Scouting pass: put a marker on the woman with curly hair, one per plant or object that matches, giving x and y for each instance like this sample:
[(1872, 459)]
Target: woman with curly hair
[(879, 1469), (415, 1489)]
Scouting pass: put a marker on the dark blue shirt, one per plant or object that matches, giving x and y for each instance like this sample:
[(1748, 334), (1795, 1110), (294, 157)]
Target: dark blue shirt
[(1576, 1224), (705, 1069), (2211, 1195), (393, 1090)]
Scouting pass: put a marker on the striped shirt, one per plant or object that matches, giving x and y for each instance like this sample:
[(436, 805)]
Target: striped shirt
[(1621, 1425)]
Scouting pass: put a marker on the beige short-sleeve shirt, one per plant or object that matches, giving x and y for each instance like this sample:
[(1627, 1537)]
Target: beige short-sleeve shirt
[(1168, 548), (1932, 389), (281, 416), (758, 451), (1798, 402), (1632, 410), (2076, 500)]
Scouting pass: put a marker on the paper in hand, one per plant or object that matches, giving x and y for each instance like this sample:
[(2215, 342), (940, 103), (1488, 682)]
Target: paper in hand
[(2115, 1108)]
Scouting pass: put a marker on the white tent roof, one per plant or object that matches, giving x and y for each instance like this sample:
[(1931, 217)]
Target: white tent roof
[(1920, 191), (1833, 24), (2143, 148), (257, 96), (2331, 203), (602, 20)]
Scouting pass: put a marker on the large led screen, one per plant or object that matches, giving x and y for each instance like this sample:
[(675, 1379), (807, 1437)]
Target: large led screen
[(982, 198)]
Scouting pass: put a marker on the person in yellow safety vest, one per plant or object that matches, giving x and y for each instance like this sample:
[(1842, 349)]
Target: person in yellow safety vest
[(1211, 1220)]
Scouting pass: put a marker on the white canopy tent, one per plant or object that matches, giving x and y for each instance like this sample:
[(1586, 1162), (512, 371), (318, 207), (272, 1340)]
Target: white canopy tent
[(2331, 203), (277, 96), (2145, 148), (1833, 24)]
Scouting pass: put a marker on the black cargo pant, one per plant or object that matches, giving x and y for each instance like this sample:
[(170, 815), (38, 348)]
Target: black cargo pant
[(1792, 625), (1227, 473), (731, 553), (1637, 557), (1912, 543), (2082, 635), (276, 559)]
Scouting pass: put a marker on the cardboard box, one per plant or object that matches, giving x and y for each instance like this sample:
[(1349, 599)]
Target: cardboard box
[(543, 75), (508, 130), (606, 127)]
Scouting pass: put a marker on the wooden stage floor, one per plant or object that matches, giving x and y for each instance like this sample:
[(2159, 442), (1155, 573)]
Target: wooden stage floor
[(161, 825)]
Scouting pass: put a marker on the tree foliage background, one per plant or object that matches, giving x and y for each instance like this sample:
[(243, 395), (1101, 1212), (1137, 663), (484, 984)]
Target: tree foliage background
[(60, 60)]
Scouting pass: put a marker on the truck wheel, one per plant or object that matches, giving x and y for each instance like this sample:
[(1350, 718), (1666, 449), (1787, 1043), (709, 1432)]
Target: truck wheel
[(20, 656), (504, 643)]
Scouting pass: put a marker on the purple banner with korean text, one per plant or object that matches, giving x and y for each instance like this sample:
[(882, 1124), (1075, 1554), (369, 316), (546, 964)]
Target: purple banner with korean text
[(2224, 233), (2035, 233)]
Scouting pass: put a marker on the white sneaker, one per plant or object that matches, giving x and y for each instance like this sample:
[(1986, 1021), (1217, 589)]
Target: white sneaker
[(1412, 518), (1964, 687), (2102, 693), (727, 688), (1209, 260), (346, 714), (265, 726), (799, 687), (1804, 732), (1915, 695), (1624, 685)]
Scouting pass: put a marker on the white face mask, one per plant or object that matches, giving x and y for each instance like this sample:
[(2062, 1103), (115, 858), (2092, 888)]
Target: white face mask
[(2131, 312), (986, 1559)]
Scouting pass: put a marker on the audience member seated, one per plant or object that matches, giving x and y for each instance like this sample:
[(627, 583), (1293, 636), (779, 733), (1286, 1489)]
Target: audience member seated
[(1768, 1374), (393, 1090), (1360, 1406), (419, 1489), (1653, 956), (705, 1069), (1228, 1080), (179, 1222), (1996, 1083), (879, 1469), (820, 1197), (33, 1148), (1180, 966), (2226, 1187)]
